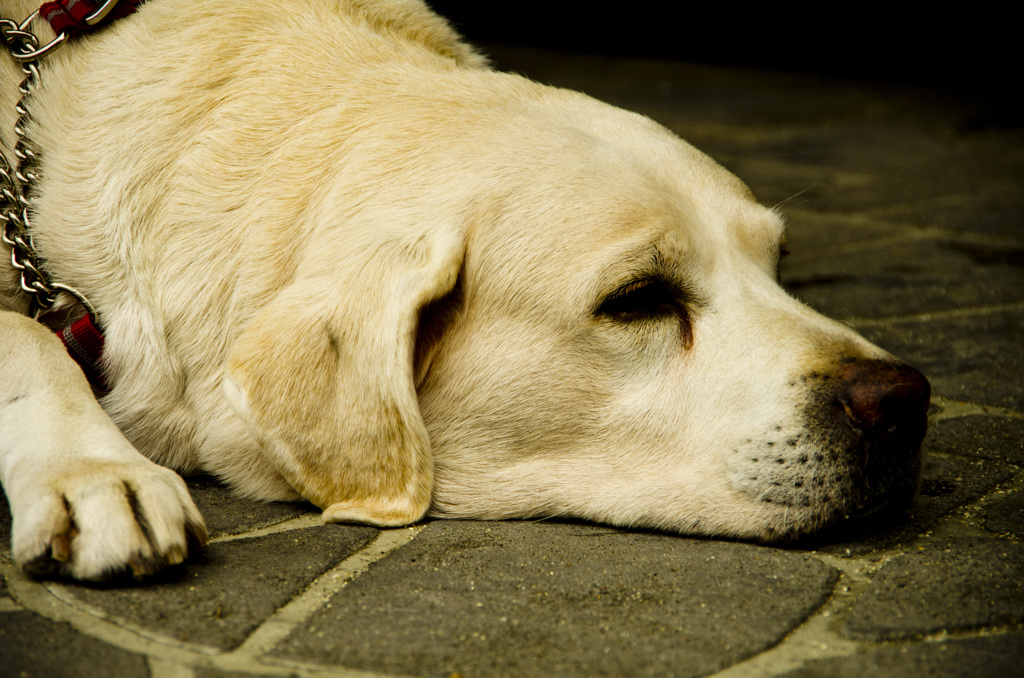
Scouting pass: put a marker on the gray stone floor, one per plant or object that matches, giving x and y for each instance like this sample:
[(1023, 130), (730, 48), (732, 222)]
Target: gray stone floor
[(906, 222)]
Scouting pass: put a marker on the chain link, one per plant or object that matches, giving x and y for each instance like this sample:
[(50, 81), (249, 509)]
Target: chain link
[(23, 43), (16, 183)]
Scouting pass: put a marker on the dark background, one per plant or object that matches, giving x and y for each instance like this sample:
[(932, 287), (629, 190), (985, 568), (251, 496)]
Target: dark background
[(969, 48)]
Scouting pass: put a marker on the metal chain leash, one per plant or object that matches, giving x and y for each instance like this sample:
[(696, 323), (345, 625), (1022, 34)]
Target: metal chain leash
[(16, 183)]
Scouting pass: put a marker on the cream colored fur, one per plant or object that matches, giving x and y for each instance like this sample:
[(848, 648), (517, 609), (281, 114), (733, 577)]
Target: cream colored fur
[(338, 258)]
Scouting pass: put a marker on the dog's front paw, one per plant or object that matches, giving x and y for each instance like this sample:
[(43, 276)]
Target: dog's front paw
[(96, 518)]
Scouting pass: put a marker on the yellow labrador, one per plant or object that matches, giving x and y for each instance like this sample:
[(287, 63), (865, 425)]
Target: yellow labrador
[(338, 258)]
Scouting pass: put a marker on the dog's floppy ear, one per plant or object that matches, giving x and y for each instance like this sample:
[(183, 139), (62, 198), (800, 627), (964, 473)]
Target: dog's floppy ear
[(323, 378)]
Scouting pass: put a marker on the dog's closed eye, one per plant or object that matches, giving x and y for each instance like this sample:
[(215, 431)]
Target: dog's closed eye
[(648, 299), (641, 299), (783, 253)]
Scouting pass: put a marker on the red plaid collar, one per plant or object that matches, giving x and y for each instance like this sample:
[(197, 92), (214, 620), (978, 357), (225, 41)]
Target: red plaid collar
[(84, 342)]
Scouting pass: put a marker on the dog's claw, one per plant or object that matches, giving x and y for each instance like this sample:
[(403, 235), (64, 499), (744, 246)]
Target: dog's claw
[(142, 566), (60, 548), (196, 533), (175, 556)]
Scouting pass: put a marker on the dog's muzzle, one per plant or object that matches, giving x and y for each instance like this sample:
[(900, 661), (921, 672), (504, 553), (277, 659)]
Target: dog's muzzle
[(852, 448)]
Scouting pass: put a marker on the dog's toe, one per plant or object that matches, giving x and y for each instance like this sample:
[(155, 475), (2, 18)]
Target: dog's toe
[(43, 546)]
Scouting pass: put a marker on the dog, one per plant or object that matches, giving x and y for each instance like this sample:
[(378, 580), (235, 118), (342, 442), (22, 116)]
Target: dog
[(337, 257)]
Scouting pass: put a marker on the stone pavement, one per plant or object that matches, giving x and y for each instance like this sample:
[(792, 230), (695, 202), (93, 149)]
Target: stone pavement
[(906, 222)]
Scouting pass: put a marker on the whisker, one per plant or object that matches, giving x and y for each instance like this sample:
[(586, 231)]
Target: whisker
[(786, 201)]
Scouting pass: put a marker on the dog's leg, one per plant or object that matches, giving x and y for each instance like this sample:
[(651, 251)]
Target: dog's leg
[(85, 503)]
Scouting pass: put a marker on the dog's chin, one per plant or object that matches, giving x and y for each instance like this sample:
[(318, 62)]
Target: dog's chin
[(860, 500), (810, 491)]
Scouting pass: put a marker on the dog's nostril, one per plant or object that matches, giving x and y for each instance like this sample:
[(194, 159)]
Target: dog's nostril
[(880, 396)]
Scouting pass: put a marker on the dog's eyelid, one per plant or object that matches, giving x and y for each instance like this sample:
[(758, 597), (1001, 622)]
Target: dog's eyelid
[(644, 297), (639, 284), (634, 286), (781, 253)]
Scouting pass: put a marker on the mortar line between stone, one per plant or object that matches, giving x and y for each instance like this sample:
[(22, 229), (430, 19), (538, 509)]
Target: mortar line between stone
[(927, 316), (295, 613), (953, 409), (302, 522), (814, 638), (51, 601)]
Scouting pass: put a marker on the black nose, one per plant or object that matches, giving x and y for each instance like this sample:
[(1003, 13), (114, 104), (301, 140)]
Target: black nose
[(884, 399)]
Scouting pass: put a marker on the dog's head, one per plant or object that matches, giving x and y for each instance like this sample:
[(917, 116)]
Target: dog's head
[(522, 302)]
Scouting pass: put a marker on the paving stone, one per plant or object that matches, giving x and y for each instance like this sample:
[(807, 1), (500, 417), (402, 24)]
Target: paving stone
[(226, 513), (514, 598), (814, 234), (951, 585), (34, 647), (1006, 515), (946, 483), (874, 165), (990, 205), (912, 276), (973, 358), (238, 584), (978, 435), (987, 657), (949, 482)]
